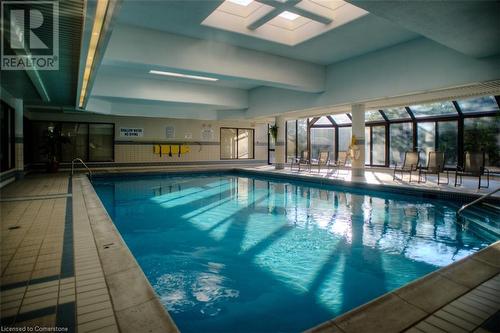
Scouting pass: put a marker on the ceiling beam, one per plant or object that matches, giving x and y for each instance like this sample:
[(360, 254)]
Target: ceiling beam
[(264, 19), (175, 53), (309, 15), (280, 7), (168, 91)]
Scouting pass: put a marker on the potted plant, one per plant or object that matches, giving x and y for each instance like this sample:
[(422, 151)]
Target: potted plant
[(273, 130), (52, 143)]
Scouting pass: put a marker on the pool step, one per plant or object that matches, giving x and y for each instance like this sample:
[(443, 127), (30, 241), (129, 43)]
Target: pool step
[(485, 229), (483, 213), (483, 220), (496, 208)]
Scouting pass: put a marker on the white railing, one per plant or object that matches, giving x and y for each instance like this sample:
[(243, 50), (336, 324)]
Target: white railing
[(82, 162)]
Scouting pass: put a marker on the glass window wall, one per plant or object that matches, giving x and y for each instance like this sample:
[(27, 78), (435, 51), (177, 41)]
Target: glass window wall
[(322, 139), (291, 139), (401, 141), (426, 140), (483, 134), (447, 141), (378, 145), (301, 136)]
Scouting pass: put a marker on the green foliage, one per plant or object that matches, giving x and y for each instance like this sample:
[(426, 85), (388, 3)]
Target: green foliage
[(482, 134), (273, 130)]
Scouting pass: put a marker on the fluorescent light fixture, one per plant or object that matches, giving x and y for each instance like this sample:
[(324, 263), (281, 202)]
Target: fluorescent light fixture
[(100, 14), (288, 15), (241, 2), (186, 76)]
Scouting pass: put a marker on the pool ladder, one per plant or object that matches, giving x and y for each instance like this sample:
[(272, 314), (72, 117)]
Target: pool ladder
[(478, 200), (82, 162)]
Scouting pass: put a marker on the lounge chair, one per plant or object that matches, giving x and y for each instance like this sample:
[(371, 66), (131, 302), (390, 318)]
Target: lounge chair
[(323, 160), (298, 161), (473, 166), (410, 164), (435, 166), (341, 162)]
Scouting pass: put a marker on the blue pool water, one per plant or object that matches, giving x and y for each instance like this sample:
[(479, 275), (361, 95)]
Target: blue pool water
[(235, 253)]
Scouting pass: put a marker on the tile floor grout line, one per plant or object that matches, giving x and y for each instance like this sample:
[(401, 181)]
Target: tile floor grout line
[(34, 265), (450, 303), (23, 238), (37, 197)]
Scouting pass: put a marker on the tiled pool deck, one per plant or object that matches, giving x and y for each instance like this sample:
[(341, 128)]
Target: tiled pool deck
[(65, 265)]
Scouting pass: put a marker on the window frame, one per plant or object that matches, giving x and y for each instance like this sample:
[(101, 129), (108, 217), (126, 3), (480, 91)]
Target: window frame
[(237, 147), (88, 123), (459, 117), (10, 136)]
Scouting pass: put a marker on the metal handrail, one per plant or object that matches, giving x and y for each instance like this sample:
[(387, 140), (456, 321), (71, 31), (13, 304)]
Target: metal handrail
[(82, 162), (482, 198)]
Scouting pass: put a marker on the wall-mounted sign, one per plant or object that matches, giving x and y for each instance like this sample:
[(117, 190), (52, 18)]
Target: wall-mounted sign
[(131, 132), (170, 132), (207, 133)]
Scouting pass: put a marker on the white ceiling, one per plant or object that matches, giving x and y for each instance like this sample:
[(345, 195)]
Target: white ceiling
[(470, 27), (366, 34), (167, 35)]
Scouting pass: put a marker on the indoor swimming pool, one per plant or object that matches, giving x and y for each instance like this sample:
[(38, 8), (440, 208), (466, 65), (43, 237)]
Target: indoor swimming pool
[(234, 252)]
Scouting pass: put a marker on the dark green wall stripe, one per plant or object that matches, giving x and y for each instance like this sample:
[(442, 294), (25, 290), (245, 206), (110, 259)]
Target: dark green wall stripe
[(39, 166), (202, 143)]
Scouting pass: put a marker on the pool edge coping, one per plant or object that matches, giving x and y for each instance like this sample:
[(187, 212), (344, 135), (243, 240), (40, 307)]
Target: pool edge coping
[(406, 189), (133, 302), (448, 274), (403, 188), (487, 268)]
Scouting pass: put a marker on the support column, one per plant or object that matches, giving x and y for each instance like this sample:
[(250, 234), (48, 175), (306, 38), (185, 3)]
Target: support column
[(358, 130), (279, 153), (19, 137)]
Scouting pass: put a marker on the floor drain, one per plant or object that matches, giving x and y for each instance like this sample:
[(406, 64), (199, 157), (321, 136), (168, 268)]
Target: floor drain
[(106, 246), (14, 227)]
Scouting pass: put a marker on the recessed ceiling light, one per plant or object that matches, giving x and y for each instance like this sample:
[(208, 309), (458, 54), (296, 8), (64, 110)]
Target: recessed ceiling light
[(186, 76), (97, 26), (288, 15), (241, 2)]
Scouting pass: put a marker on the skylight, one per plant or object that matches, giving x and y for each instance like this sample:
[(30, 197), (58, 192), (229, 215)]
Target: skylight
[(322, 121), (241, 2), (285, 22), (186, 76), (396, 113), (341, 118), (288, 15), (433, 109), (478, 104), (373, 115)]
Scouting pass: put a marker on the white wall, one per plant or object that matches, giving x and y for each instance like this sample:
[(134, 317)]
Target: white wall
[(411, 67), (139, 149)]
